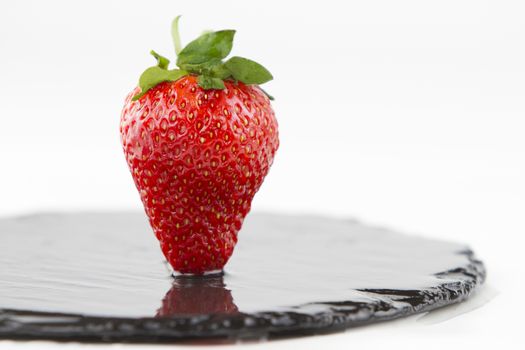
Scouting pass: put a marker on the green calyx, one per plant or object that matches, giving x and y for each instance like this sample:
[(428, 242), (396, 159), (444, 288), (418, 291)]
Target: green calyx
[(204, 57)]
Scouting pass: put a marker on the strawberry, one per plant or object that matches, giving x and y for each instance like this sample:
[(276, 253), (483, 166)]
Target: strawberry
[(199, 141), (197, 296)]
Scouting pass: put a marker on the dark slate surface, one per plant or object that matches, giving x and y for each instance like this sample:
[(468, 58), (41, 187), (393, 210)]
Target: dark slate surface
[(101, 277)]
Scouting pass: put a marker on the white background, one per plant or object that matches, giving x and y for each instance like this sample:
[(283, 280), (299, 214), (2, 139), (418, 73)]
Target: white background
[(408, 114)]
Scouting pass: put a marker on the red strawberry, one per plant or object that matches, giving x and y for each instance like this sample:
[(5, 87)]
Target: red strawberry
[(197, 296), (199, 142)]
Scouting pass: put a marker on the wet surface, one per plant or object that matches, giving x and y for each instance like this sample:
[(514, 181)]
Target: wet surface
[(102, 277)]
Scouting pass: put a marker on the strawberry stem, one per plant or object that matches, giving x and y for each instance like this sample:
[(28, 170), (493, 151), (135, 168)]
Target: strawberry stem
[(203, 57), (175, 35)]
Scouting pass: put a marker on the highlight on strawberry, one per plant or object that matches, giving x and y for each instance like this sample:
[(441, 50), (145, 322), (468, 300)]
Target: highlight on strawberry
[(199, 140)]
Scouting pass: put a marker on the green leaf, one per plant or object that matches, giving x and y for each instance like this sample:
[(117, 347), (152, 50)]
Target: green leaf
[(248, 71), (207, 82), (162, 62), (207, 47), (205, 68), (156, 75), (220, 71), (214, 68)]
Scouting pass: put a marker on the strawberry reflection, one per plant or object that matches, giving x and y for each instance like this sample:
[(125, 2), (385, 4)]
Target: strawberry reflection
[(197, 296)]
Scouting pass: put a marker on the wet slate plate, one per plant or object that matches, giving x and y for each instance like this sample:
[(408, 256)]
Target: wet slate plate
[(101, 277)]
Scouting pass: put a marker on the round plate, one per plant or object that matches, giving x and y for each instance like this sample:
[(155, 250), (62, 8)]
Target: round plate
[(101, 277)]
